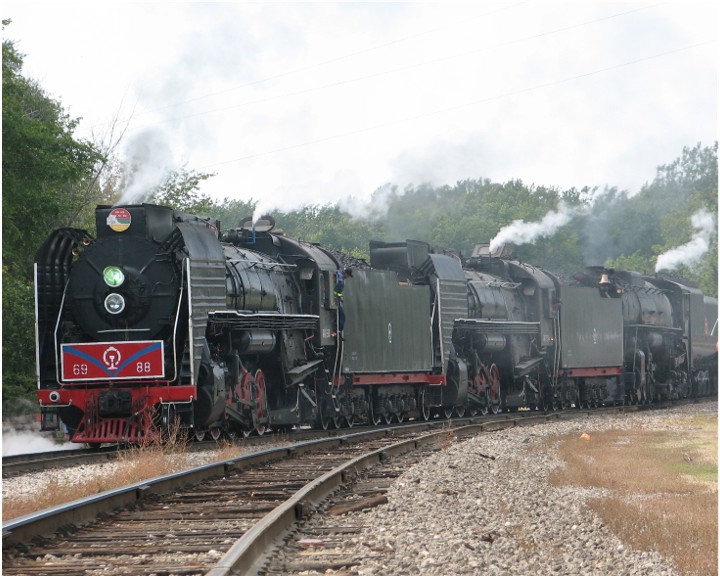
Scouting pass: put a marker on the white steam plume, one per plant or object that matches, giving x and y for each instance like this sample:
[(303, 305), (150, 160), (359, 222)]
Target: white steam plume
[(521, 232), (261, 208), (704, 224), (149, 161), (16, 442)]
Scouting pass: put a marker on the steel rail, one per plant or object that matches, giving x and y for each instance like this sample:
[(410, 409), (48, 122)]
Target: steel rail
[(82, 511), (26, 463)]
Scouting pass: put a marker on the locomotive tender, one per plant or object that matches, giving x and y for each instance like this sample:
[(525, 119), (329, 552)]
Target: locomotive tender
[(163, 321)]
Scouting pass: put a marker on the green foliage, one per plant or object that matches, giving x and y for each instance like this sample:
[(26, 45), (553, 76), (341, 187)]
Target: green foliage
[(637, 262), (181, 192), (18, 347), (47, 178), (658, 218), (42, 163), (330, 226), (231, 211)]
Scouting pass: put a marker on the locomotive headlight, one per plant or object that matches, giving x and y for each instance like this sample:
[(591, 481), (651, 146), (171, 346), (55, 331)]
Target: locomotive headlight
[(113, 276), (114, 303)]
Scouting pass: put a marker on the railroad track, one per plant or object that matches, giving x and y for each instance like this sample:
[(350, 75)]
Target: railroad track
[(225, 518), (185, 522), (20, 464), (27, 463), (219, 518), (178, 524)]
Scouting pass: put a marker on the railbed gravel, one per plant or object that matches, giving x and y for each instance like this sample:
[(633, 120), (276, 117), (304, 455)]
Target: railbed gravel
[(459, 512)]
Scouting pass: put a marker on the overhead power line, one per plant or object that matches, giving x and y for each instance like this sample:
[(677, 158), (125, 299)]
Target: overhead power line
[(387, 72), (461, 106)]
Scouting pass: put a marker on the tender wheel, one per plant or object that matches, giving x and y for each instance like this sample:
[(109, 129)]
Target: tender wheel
[(323, 413), (556, 404), (425, 410), (387, 417), (375, 416), (460, 411), (448, 412), (215, 433), (324, 423), (199, 435)]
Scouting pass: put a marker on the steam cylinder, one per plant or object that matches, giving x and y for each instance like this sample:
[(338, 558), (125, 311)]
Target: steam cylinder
[(490, 342)]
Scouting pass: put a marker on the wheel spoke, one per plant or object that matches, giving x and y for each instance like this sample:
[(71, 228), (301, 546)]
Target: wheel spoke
[(494, 398), (261, 409)]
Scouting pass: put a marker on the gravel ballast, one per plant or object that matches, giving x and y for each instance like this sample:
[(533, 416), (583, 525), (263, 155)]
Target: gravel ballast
[(461, 512)]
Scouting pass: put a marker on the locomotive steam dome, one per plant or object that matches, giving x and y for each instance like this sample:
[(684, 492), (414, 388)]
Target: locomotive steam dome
[(116, 279)]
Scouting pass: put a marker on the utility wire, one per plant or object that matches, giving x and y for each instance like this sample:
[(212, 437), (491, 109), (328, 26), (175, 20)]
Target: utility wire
[(377, 74), (460, 106)]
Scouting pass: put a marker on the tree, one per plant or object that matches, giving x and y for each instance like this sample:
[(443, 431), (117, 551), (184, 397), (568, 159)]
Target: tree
[(181, 192), (42, 163), (658, 218)]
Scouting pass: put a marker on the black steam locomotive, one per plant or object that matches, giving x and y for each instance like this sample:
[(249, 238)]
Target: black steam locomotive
[(163, 321)]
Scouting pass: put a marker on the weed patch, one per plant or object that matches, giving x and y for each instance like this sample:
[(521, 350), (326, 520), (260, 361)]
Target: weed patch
[(661, 488)]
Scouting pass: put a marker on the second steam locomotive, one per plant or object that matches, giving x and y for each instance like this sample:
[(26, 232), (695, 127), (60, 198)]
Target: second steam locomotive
[(164, 320)]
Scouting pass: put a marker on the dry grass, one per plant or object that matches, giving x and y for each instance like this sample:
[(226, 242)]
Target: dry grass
[(135, 465), (661, 488)]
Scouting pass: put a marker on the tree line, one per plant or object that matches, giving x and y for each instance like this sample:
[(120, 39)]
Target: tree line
[(52, 179)]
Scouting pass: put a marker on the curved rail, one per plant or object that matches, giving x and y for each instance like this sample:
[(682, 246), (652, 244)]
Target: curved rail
[(248, 554)]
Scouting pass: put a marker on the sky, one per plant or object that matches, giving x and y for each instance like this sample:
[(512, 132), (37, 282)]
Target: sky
[(299, 103)]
